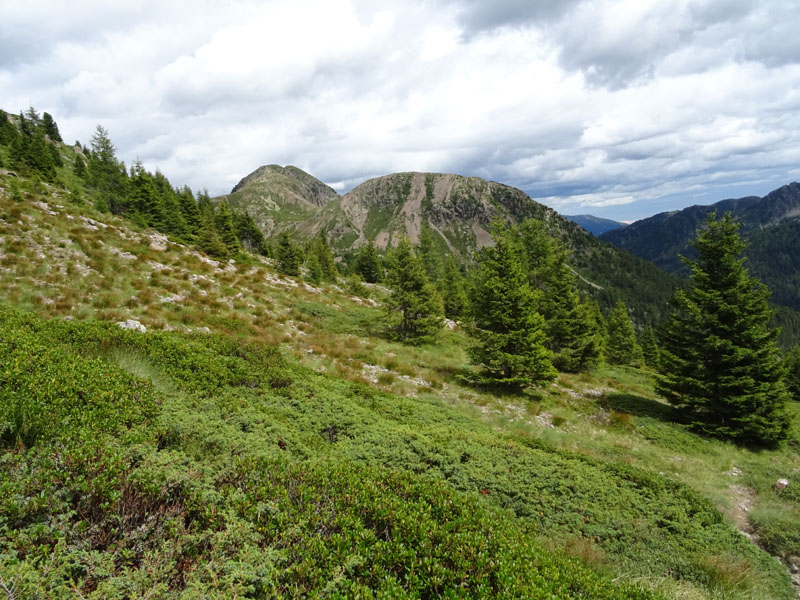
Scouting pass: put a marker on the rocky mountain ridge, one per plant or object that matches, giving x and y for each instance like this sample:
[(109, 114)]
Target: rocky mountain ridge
[(771, 225)]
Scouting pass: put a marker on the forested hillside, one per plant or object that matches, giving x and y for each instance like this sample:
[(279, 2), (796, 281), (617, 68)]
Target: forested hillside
[(180, 417), (770, 224)]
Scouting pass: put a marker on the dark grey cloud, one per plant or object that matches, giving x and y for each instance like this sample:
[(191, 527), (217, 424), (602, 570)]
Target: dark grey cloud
[(479, 16)]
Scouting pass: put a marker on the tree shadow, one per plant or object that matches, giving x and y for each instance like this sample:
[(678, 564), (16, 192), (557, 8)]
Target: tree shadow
[(639, 406)]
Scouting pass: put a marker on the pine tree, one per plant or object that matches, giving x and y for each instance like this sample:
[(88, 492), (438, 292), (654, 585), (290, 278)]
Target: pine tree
[(8, 132), (314, 269), (572, 333), (414, 307), (79, 166), (649, 345), (31, 154), (719, 358), (621, 345), (426, 250), (189, 210), (223, 222), (510, 339), (288, 256), (322, 249), (106, 174), (453, 289), (368, 263), (249, 234), (144, 197), (792, 370), (50, 127)]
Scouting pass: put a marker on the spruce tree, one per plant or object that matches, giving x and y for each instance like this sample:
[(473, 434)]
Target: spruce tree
[(106, 174), (314, 268), (650, 349), (719, 357), (144, 197), (792, 369), (452, 286), (249, 234), (8, 132), (426, 249), (223, 223), (189, 210), (50, 127), (368, 263), (510, 340), (288, 256), (572, 333), (322, 249), (621, 345), (414, 307)]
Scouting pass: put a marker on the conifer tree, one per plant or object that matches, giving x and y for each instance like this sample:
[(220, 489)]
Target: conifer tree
[(719, 357), (50, 127), (314, 268), (452, 286), (322, 249), (368, 263), (426, 250), (209, 242), (79, 167), (144, 197), (414, 308), (510, 339), (189, 210), (288, 256), (8, 132), (792, 370), (649, 345), (621, 345), (223, 223), (249, 234), (106, 174), (572, 333), (31, 153)]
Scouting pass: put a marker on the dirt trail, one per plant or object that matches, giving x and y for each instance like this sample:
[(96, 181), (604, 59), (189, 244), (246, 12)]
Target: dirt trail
[(742, 501)]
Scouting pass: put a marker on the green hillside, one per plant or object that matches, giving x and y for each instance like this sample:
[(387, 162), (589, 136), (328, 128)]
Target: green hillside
[(264, 437)]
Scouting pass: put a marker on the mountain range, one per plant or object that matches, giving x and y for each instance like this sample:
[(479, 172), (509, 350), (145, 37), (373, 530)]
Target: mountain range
[(770, 225), (595, 225), (460, 211)]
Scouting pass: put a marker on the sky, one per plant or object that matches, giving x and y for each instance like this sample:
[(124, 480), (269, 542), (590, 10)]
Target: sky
[(621, 109)]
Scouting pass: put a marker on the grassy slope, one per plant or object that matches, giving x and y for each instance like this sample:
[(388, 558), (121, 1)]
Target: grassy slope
[(252, 463)]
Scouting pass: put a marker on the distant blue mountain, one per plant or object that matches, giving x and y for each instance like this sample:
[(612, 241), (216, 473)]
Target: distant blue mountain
[(593, 224)]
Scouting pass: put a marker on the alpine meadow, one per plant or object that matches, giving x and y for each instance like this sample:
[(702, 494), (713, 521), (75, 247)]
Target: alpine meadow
[(431, 386)]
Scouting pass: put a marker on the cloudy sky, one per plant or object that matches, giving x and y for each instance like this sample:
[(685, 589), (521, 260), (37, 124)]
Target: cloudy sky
[(617, 108)]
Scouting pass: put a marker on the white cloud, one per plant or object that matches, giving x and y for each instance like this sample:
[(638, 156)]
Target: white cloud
[(586, 104)]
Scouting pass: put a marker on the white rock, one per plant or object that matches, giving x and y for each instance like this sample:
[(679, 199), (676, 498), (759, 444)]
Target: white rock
[(132, 324), (158, 241)]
